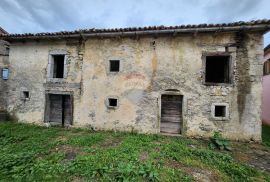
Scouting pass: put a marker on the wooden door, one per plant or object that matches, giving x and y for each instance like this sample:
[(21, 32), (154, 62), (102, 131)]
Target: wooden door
[(67, 109), (60, 109), (55, 114), (171, 114)]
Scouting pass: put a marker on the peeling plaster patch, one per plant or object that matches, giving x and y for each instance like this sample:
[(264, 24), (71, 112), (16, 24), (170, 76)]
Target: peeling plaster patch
[(135, 95), (154, 64), (205, 127), (135, 81), (92, 115)]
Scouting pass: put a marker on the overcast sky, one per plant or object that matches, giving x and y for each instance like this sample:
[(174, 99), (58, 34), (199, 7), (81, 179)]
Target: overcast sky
[(22, 16)]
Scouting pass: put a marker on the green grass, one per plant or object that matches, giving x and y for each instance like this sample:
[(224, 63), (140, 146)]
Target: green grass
[(33, 153), (266, 135)]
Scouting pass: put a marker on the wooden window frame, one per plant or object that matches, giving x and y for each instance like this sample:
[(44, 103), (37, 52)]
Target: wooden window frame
[(205, 55), (266, 68), (50, 67)]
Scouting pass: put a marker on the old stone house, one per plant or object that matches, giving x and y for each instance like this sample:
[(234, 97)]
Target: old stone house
[(190, 79)]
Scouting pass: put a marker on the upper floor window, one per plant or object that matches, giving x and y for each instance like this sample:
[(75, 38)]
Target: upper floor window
[(112, 102), (217, 69), (266, 67), (58, 66), (114, 65)]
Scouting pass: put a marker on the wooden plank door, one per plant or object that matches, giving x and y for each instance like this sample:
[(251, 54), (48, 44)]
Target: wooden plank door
[(171, 114), (67, 109), (60, 109), (55, 111)]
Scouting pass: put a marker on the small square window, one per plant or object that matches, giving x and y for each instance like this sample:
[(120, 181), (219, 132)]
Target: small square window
[(114, 65), (25, 95), (112, 102), (220, 111)]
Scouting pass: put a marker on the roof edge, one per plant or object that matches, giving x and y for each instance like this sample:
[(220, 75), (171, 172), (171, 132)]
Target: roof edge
[(3, 31), (258, 25), (267, 48)]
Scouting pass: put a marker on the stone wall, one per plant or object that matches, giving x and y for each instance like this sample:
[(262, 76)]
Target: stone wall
[(28, 72), (149, 67), (4, 63)]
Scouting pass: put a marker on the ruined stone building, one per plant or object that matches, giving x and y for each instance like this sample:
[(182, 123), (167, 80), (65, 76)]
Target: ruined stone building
[(190, 79)]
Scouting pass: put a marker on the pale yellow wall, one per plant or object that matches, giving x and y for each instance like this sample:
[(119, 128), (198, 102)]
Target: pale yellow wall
[(28, 72)]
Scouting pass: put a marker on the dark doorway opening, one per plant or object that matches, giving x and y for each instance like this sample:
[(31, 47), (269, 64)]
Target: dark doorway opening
[(59, 109), (171, 114)]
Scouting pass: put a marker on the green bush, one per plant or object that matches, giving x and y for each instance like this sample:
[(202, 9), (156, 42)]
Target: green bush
[(219, 142)]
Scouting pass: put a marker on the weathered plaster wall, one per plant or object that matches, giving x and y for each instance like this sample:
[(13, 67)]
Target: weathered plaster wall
[(152, 66), (149, 68), (28, 72)]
